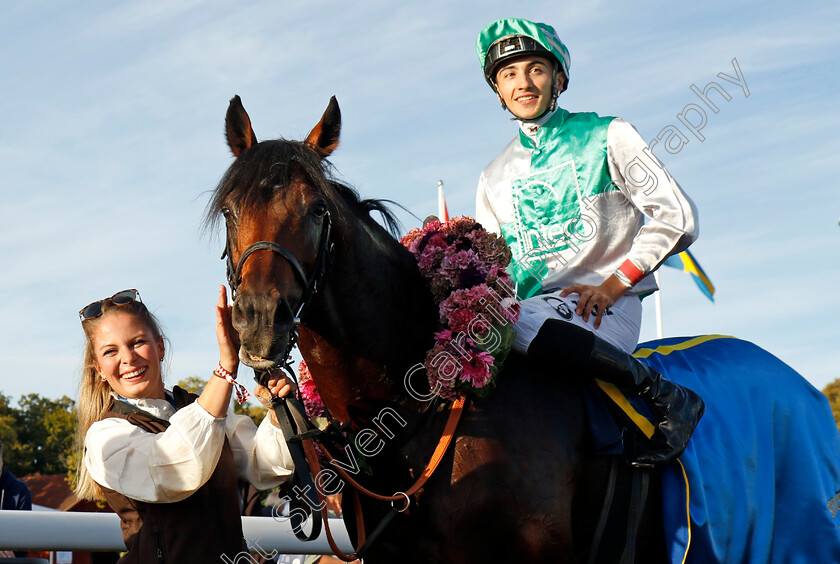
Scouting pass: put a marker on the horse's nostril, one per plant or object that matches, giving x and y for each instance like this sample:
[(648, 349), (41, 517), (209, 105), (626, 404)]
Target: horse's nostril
[(240, 315), (283, 314), (263, 322), (263, 317)]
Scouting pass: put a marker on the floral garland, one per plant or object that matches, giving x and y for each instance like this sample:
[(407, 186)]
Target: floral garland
[(312, 402), (314, 406), (464, 266)]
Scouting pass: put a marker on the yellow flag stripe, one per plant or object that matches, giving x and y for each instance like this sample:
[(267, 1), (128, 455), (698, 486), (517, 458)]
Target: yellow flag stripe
[(668, 349), (693, 268), (637, 418), (642, 422), (687, 510)]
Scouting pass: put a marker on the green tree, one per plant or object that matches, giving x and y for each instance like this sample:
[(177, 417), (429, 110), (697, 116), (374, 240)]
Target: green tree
[(8, 430), (832, 392), (192, 384), (255, 412), (38, 436)]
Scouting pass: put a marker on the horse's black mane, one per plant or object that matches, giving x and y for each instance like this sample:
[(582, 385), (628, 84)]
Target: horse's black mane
[(252, 179)]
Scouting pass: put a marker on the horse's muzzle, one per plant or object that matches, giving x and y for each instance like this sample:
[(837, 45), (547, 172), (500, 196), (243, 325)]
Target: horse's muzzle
[(264, 323)]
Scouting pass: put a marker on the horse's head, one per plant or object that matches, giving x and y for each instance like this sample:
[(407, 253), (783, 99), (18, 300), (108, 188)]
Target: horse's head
[(277, 205)]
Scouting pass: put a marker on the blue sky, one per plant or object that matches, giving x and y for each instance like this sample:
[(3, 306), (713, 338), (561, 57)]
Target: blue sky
[(112, 139)]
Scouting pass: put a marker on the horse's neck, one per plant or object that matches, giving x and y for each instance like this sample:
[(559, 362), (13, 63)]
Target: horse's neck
[(373, 318)]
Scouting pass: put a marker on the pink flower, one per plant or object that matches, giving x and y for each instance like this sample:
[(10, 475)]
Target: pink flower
[(432, 254), (312, 401), (445, 335), (461, 259), (509, 307), (476, 369), (410, 237), (428, 238), (460, 319), (475, 299), (463, 268), (461, 226)]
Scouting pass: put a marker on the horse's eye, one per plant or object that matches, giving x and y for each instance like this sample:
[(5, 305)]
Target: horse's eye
[(227, 213), (319, 209)]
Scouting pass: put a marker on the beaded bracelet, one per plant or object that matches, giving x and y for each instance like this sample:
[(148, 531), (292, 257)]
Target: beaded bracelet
[(242, 394)]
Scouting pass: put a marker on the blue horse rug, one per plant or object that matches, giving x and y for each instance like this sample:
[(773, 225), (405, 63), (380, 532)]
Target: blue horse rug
[(760, 479)]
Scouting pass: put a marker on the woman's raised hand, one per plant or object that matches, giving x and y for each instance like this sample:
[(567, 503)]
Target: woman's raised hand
[(225, 333)]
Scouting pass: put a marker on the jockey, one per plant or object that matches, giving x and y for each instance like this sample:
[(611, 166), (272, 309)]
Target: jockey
[(589, 213)]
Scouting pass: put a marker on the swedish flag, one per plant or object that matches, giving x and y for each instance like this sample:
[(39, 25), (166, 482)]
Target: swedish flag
[(685, 261)]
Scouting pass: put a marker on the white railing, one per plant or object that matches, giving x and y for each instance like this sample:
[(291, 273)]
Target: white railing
[(96, 532)]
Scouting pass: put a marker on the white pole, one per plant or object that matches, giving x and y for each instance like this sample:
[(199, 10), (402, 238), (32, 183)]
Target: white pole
[(60, 530), (658, 300), (443, 213)]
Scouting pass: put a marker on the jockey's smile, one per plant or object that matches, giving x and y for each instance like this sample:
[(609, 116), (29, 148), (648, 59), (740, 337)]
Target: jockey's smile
[(524, 85)]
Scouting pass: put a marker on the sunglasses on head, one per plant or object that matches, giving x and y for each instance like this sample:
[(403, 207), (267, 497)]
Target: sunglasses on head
[(94, 310)]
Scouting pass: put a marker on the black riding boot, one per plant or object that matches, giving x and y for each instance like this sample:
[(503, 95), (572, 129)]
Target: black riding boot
[(677, 409)]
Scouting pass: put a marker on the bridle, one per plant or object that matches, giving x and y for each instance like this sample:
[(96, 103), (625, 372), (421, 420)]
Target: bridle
[(289, 410), (325, 247), (310, 284)]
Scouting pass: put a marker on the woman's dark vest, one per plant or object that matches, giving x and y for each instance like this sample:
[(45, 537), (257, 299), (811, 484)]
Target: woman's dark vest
[(198, 529)]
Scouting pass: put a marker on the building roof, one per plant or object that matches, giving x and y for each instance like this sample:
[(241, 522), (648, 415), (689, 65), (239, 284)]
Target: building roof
[(53, 491)]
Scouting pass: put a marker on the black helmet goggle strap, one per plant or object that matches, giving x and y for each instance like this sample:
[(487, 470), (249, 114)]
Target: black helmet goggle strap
[(512, 46)]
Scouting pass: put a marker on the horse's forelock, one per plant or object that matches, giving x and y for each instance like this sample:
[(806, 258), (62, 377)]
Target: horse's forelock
[(253, 178)]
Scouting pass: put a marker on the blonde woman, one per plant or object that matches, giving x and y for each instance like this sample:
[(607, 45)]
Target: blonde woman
[(166, 461)]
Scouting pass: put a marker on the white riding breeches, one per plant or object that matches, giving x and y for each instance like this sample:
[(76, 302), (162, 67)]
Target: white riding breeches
[(620, 325)]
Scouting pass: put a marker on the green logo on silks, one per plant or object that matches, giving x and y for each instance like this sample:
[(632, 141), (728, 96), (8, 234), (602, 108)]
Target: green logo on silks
[(546, 225)]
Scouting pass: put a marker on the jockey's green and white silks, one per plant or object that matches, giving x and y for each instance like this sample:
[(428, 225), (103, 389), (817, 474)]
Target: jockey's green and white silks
[(571, 198), (550, 222)]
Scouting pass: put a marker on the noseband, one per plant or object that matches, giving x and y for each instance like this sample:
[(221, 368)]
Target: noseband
[(310, 284)]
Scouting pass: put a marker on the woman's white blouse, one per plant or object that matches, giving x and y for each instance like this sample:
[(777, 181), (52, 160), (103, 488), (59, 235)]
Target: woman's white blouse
[(170, 466)]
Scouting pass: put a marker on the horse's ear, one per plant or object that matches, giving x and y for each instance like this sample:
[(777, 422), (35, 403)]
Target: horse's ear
[(324, 136), (238, 130)]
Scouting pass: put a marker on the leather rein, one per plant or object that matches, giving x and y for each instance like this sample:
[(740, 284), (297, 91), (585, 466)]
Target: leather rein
[(300, 432), (294, 416)]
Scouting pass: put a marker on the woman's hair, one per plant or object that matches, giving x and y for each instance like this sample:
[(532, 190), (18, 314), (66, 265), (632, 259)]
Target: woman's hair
[(95, 393)]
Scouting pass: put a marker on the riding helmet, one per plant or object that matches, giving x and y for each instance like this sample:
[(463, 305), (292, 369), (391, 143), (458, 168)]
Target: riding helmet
[(512, 37)]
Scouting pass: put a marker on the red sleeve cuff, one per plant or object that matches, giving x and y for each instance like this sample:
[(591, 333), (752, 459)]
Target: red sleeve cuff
[(631, 271)]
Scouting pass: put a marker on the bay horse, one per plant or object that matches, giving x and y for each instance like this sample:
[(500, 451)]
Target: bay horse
[(520, 483)]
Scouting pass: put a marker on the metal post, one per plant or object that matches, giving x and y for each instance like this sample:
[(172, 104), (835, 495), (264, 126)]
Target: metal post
[(658, 301), (60, 530)]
